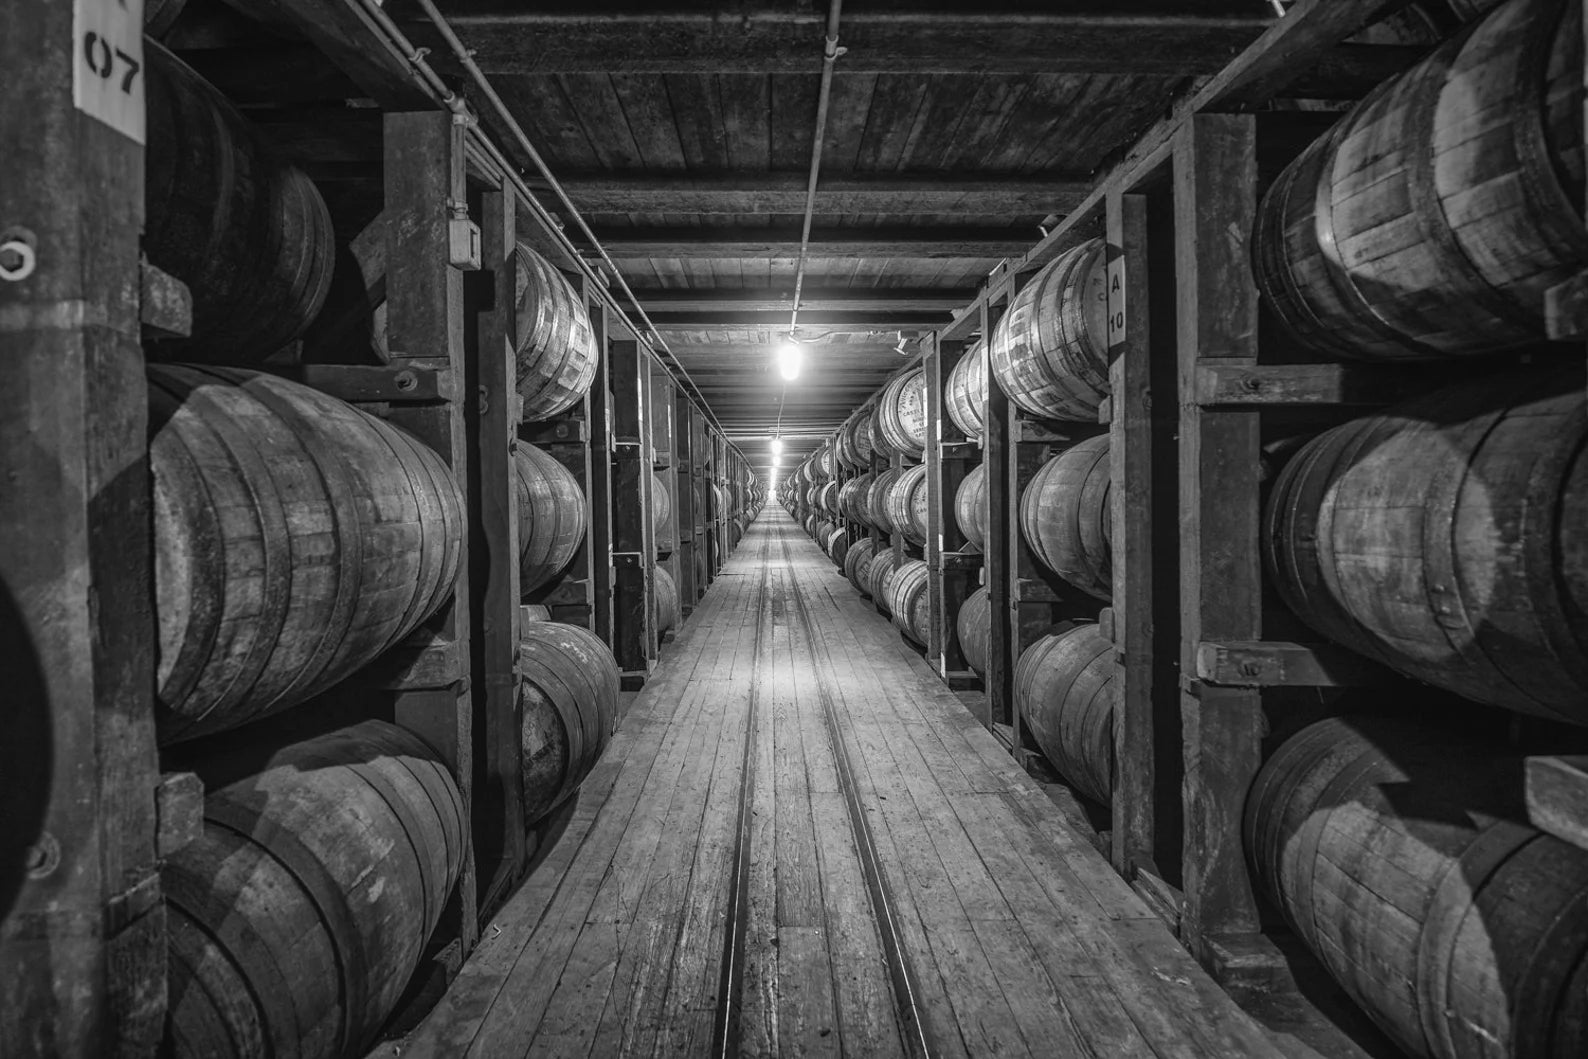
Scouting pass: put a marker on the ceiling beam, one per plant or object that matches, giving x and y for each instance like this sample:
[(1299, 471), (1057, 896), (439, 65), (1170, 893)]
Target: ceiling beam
[(830, 299), (988, 244), (778, 319), (1096, 37), (784, 193)]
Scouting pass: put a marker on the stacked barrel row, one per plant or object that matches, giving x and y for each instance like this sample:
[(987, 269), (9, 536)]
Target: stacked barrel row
[(1437, 537), (1440, 538), (299, 538)]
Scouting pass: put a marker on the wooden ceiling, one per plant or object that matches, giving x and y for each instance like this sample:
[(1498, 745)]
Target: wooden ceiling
[(683, 130)]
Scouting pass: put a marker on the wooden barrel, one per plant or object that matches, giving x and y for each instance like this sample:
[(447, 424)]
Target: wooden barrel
[(296, 539), (1440, 538), (884, 568), (247, 233), (829, 498), (551, 517), (557, 351), (966, 392), (1432, 219), (838, 548), (908, 603), (860, 434), (736, 527), (668, 614), (1065, 516), (568, 699), (855, 561), (1049, 353), (824, 461), (534, 612), (877, 500), (901, 414), (1403, 858), (1065, 691), (973, 623), (906, 504), (662, 515), (298, 915), (970, 507), (852, 497)]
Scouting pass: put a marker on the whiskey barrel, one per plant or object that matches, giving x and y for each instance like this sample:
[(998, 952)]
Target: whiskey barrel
[(298, 915), (1065, 516), (901, 415), (877, 500), (1065, 692), (884, 569), (1049, 353), (906, 503), (247, 233), (296, 540), (1432, 219), (838, 548), (557, 353), (966, 392), (736, 527), (828, 498), (824, 461), (668, 614), (1439, 537), (852, 498), (908, 603), (662, 515), (568, 699), (860, 436), (973, 623), (551, 517), (855, 561), (970, 507), (1403, 858)]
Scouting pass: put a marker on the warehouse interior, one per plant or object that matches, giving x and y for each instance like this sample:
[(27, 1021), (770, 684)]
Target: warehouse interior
[(794, 527)]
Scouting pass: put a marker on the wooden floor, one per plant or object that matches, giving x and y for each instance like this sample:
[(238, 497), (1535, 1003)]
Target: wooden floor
[(796, 815)]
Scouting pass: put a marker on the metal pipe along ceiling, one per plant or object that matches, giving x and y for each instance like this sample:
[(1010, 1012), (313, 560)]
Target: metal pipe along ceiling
[(830, 54)]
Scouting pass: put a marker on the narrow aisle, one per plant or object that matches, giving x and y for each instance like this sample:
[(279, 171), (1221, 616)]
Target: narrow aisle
[(796, 815)]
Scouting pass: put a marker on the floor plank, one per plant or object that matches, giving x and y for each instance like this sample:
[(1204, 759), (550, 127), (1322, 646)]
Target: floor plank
[(899, 866)]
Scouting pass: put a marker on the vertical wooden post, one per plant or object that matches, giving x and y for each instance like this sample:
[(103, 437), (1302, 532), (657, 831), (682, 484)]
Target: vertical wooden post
[(82, 924), (599, 532), (1144, 467), (633, 544), (492, 421), (998, 454), (1215, 182), (685, 514), (424, 165), (950, 574), (664, 439), (701, 486)]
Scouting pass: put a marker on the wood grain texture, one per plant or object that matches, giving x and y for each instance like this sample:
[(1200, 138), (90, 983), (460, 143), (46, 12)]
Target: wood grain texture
[(1017, 937)]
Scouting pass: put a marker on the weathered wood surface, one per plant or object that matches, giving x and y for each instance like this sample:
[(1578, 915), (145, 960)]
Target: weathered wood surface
[(865, 777)]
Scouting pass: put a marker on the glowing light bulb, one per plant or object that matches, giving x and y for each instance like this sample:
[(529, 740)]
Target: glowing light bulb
[(789, 358), (777, 449)]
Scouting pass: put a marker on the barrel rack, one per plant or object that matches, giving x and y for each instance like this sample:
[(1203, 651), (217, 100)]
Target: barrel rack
[(91, 814), (1210, 666)]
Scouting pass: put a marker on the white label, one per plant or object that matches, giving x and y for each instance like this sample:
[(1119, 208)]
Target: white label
[(107, 63), (1116, 300)]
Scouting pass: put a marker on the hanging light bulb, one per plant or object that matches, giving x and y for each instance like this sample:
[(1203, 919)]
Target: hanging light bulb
[(777, 449), (789, 358)]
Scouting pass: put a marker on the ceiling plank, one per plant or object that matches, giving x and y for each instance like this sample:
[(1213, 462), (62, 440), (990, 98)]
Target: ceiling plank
[(830, 299), (1086, 38), (881, 319), (784, 193), (988, 244)]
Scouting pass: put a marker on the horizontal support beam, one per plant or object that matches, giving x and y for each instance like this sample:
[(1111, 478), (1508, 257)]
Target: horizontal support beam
[(836, 299), (784, 193), (1271, 664), (923, 242), (779, 318), (1090, 38)]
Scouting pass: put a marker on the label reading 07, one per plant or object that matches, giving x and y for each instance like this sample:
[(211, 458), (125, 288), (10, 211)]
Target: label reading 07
[(107, 64)]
